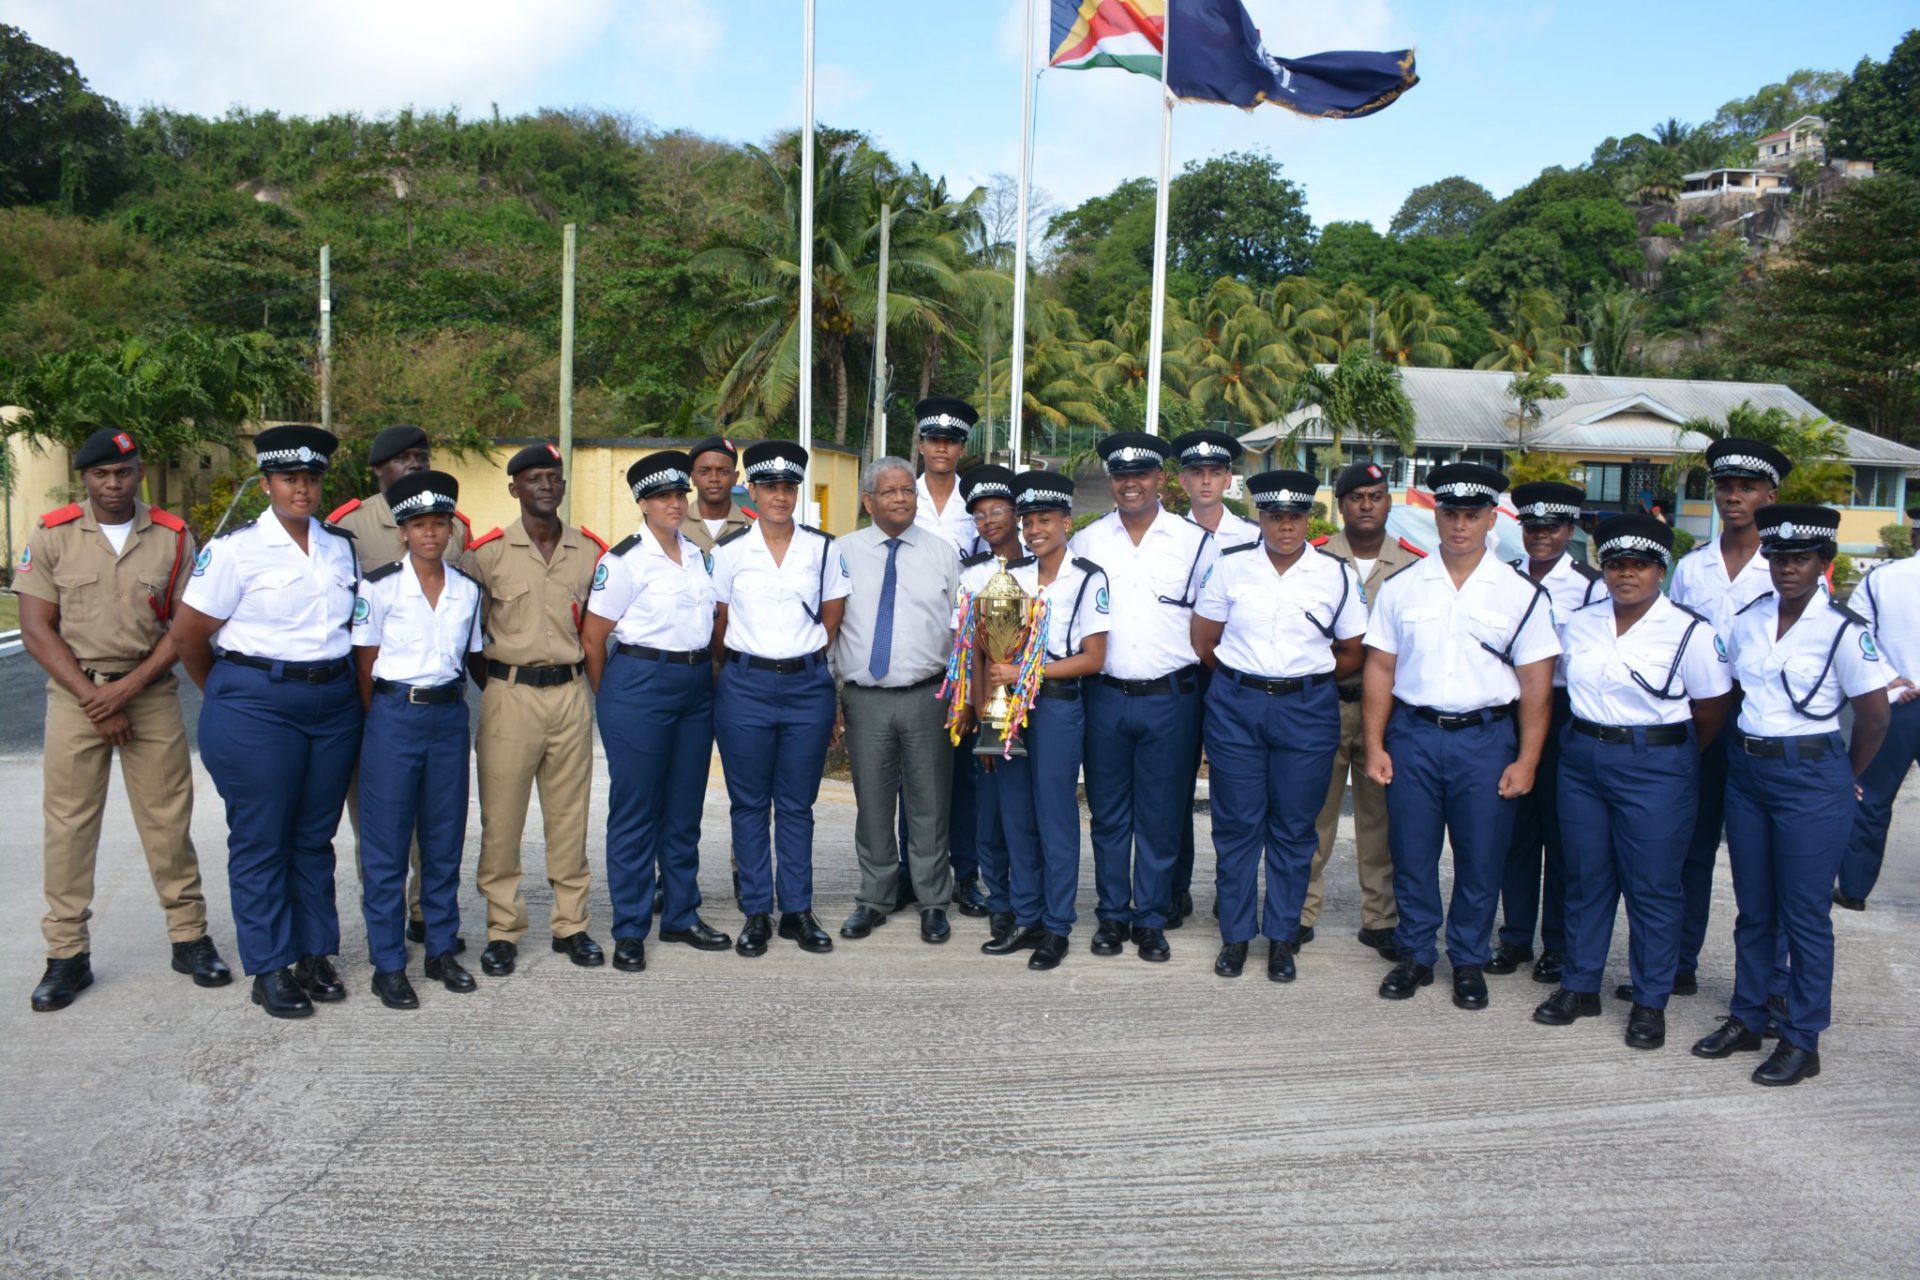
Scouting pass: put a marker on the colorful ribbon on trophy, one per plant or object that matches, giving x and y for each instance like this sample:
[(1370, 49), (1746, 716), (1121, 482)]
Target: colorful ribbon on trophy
[(959, 668), (1033, 665)]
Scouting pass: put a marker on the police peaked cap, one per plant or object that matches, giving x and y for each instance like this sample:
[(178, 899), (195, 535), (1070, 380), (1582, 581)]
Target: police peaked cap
[(1548, 501), (423, 493), (296, 446), (1738, 459), (1042, 491), (1796, 526), (1465, 485), (774, 462), (1634, 536), (945, 417), (1207, 449), (988, 480), (1128, 452), (1283, 490), (658, 473)]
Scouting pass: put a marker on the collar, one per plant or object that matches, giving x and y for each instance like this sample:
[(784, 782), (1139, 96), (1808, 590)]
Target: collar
[(650, 544), (517, 534), (1435, 567), (275, 532), (88, 520)]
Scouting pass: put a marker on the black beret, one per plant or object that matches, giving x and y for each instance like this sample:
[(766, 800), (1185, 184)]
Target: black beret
[(1357, 475), (658, 473), (108, 444), (423, 493), (535, 455), (297, 446), (394, 441), (713, 444)]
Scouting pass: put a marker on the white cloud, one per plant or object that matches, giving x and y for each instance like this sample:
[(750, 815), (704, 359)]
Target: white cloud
[(673, 37)]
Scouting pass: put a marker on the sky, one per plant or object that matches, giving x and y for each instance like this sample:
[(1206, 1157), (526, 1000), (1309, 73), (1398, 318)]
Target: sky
[(1507, 88)]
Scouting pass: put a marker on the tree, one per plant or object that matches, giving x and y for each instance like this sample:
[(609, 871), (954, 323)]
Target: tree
[(1239, 365), (1360, 396), (1410, 330), (1447, 208), (1876, 115), (1817, 448), (1776, 106), (1234, 215), (1616, 322), (60, 142), (1530, 389), (1537, 336)]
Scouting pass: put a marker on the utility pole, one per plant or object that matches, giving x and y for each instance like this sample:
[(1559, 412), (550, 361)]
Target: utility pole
[(566, 366), (877, 431), (326, 337)]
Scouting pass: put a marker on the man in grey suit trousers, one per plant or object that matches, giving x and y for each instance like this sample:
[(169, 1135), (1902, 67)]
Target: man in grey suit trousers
[(889, 658)]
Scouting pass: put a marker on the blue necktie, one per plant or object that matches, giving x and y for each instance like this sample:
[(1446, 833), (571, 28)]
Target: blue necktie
[(883, 620)]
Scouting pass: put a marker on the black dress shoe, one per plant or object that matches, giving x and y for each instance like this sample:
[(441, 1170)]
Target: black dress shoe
[(629, 954), (933, 925), (1303, 936), (1787, 1065), (967, 898), (1380, 940), (1231, 960), (1508, 958), (1469, 987), (699, 935), (1006, 944), (1182, 908), (316, 977), (498, 959), (280, 995), (1280, 966), (1646, 1028), (1110, 937), (1732, 1037), (1048, 952), (801, 927), (1549, 968), (1000, 924), (64, 979), (417, 932), (449, 973), (754, 935), (1152, 945), (1406, 978), (581, 949), (394, 990), (201, 959), (862, 922), (1850, 903), (1564, 1008)]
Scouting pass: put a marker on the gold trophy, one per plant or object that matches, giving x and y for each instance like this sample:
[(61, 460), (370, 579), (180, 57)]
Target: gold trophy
[(1001, 612)]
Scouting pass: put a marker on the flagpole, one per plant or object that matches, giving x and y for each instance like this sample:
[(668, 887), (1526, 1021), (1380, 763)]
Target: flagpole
[(1016, 436), (806, 260), (1159, 322)]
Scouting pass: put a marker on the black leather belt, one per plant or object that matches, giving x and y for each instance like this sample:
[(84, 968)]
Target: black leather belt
[(423, 695), (680, 658), (1811, 746), (1461, 719), (933, 679), (104, 677), (779, 666), (1180, 681), (1655, 735), (1067, 690), (1349, 693), (307, 672), (535, 677), (1271, 684)]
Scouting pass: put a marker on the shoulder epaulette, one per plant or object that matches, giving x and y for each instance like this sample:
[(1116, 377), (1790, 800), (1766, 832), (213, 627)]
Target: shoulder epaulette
[(1237, 548), (465, 523), (626, 544), (1585, 570), (978, 557), (1845, 612), (1087, 566), (228, 533), (63, 515), (485, 538), (1687, 609), (735, 536), (1519, 567), (1323, 540), (1410, 547), (345, 509), (463, 573), (818, 532), (166, 519), (1397, 572), (1334, 556), (594, 538), (336, 529), (1019, 563), (384, 571), (1764, 595), (1698, 547)]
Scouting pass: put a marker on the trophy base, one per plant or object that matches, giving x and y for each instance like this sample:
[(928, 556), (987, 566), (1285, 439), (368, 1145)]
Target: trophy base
[(992, 741)]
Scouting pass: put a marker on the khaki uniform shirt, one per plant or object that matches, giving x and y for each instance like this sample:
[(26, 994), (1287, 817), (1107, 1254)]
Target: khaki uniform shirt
[(534, 606), (376, 534), (113, 608), (1395, 555), (695, 529)]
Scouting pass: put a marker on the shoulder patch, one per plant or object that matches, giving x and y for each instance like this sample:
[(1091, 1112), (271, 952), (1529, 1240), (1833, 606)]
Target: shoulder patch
[(735, 536), (202, 560), (1237, 548), (980, 557), (166, 519), (1397, 572), (62, 515), (818, 532), (626, 544), (384, 571), (337, 530), (361, 610), (594, 538), (485, 538), (345, 509), (1323, 540), (1408, 546), (1764, 595), (1336, 558), (463, 573)]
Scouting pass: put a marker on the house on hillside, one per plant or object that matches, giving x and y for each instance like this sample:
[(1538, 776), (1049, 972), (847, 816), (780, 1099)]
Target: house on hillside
[(1622, 434), (1804, 139), (1748, 183)]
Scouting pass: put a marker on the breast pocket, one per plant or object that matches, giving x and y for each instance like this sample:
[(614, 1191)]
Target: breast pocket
[(80, 603), (510, 610), (1491, 628), (282, 594), (1804, 671)]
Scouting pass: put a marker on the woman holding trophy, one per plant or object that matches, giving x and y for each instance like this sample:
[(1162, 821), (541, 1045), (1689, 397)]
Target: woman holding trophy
[(1278, 621)]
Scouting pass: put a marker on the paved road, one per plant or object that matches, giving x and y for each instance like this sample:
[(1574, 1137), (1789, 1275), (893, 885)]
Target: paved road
[(897, 1109)]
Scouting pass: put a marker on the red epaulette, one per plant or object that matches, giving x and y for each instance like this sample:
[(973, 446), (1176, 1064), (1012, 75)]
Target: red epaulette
[(166, 519), (1409, 546), (594, 538), (346, 508), (465, 523), (64, 515), (484, 539), (1323, 540)]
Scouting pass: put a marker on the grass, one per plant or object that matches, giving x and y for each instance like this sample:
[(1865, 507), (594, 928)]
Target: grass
[(9, 611)]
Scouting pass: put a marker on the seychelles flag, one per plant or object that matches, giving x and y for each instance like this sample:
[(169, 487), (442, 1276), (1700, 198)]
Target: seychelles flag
[(1218, 57)]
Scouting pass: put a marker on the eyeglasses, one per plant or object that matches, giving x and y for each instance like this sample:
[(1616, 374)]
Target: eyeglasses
[(984, 514), (908, 492)]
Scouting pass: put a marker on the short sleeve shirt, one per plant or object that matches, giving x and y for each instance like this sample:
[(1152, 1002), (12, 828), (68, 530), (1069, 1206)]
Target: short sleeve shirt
[(773, 608), (1796, 684), (110, 604), (420, 644), (279, 602), (1281, 624), (1648, 675), (652, 601), (1456, 648), (1151, 586)]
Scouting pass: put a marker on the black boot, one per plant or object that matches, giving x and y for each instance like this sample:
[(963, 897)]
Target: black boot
[(64, 979)]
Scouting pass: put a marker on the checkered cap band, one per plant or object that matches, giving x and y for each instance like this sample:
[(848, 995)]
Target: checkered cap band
[(421, 503), (1204, 450), (1741, 464), (944, 422), (1632, 544), (1549, 511), (1788, 531), (661, 480), (1131, 453), (990, 489), (776, 469), (1043, 500), (1465, 489), (1283, 498), (284, 457)]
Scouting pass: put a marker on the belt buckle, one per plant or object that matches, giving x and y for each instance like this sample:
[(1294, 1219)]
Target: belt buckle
[(413, 696), (1747, 742)]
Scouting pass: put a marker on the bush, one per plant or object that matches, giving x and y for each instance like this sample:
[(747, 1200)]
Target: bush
[(1667, 230), (1318, 526), (1682, 542), (1896, 541), (1846, 575)]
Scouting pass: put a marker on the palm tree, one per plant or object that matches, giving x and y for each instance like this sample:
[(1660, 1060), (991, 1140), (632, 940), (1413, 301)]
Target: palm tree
[(1361, 395), (928, 220), (1408, 330), (1537, 336), (1241, 371), (1118, 362), (1616, 321), (1297, 304), (1815, 446), (1531, 388), (1343, 322), (1059, 388)]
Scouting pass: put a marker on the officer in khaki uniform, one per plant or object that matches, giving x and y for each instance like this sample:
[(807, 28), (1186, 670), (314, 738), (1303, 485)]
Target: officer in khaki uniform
[(713, 513), (1364, 500), (98, 583), (536, 712)]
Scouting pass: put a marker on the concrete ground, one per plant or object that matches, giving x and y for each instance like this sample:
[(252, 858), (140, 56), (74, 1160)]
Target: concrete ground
[(901, 1109)]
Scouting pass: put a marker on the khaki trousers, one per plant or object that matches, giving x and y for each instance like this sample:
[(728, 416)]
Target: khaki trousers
[(159, 779), (1371, 855), (528, 735)]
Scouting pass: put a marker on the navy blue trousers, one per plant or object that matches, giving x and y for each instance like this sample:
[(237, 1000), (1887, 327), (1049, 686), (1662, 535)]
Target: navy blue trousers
[(773, 731), (280, 752), (1625, 820), (1270, 758), (1040, 813), (1533, 887), (413, 781), (1703, 848), (1787, 827), (656, 722), (1860, 869), (1183, 865), (1446, 783), (1137, 749), (989, 831)]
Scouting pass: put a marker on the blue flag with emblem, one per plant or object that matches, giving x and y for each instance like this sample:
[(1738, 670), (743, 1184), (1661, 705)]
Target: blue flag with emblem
[(1218, 57)]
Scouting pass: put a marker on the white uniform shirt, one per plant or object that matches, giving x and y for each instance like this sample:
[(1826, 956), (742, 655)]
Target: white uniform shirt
[(1888, 600), (1233, 530), (420, 644), (1601, 664), (955, 523), (279, 602), (1761, 663), (1567, 590), (1437, 633), (773, 610), (1079, 601), (1277, 624), (1700, 582), (1151, 589), (652, 601)]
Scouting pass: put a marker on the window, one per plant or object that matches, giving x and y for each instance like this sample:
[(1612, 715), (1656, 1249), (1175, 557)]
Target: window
[(1604, 481), (1698, 489), (1876, 487)]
